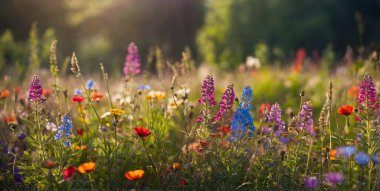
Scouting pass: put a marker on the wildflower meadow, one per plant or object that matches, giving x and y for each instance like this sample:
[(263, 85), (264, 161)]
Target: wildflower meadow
[(253, 129), (189, 95)]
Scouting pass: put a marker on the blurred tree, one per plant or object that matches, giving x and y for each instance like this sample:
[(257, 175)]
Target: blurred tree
[(237, 26)]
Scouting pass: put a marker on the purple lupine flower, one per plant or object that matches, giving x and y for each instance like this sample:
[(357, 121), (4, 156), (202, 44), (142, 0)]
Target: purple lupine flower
[(226, 103), (132, 61), (311, 182), (305, 119), (367, 93), (275, 120), (35, 90), (334, 178), (207, 94)]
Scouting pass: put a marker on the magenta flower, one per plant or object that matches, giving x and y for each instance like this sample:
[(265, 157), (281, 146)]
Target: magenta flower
[(132, 61), (207, 96), (305, 119), (35, 90), (367, 93), (226, 103)]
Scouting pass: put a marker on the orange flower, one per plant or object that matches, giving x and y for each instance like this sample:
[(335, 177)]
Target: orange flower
[(332, 154), (346, 110), (17, 89), (176, 166), (86, 167), (353, 92), (4, 93), (11, 119), (80, 147), (46, 92), (134, 175), (225, 129), (97, 96)]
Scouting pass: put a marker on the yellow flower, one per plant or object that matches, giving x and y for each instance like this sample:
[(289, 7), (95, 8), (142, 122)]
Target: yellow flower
[(117, 112), (80, 147), (156, 95)]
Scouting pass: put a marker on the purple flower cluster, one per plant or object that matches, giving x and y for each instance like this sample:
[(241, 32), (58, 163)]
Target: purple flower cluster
[(226, 103), (35, 90), (305, 119), (367, 93), (275, 120), (132, 61), (334, 178), (207, 94), (311, 182)]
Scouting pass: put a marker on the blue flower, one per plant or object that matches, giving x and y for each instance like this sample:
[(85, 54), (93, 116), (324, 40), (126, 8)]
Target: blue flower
[(58, 135), (242, 119), (78, 92), (362, 159), (67, 143), (348, 151), (246, 98), (90, 84), (375, 159), (67, 124), (64, 129), (143, 87)]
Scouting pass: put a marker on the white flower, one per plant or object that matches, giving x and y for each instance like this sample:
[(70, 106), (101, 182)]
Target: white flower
[(253, 62), (51, 127)]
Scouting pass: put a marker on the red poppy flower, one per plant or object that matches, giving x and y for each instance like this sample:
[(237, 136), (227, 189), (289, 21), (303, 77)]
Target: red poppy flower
[(69, 172), (346, 110), (264, 108), (142, 132), (77, 99)]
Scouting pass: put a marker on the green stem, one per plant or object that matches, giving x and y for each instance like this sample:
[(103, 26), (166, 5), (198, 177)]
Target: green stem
[(89, 179)]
